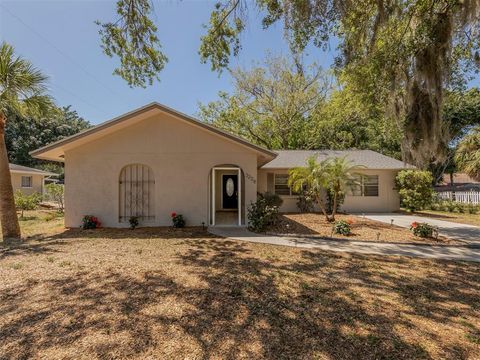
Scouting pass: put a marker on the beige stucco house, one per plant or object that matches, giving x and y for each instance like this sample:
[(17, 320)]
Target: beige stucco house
[(155, 160), (28, 180)]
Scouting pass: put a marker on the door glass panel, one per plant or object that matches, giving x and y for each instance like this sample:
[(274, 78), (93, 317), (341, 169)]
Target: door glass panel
[(230, 187)]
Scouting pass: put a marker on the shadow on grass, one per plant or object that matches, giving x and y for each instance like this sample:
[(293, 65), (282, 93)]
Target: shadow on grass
[(239, 305)]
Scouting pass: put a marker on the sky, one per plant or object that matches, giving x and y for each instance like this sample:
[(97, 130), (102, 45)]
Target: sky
[(61, 39)]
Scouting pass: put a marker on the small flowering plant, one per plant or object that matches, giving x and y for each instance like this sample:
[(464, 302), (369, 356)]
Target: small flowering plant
[(90, 222), (178, 220), (423, 230), (342, 227)]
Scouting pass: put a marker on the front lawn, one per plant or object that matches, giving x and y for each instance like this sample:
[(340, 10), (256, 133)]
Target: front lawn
[(362, 229), (164, 293), (470, 219)]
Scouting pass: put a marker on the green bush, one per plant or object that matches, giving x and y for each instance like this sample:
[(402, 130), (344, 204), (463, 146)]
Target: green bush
[(178, 220), (340, 200), (55, 192), (306, 202), (261, 215), (415, 189), (342, 227), (272, 199), (90, 222), (134, 222), (423, 230), (27, 202)]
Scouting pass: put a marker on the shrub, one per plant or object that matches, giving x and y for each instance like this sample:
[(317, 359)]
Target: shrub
[(272, 199), (342, 227), (423, 230), (261, 215), (90, 222), (178, 220), (134, 221), (55, 192), (415, 189), (306, 202), (27, 202)]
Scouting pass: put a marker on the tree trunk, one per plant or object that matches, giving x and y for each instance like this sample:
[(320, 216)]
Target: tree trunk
[(334, 206), (452, 186), (8, 213), (322, 207)]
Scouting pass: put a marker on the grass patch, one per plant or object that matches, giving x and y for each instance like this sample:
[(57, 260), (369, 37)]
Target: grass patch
[(469, 219), (164, 293)]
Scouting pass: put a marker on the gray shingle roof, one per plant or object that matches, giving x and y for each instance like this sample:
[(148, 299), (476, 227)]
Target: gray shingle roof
[(21, 168), (287, 159)]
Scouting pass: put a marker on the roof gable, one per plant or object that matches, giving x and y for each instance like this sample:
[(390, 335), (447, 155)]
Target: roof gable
[(55, 151)]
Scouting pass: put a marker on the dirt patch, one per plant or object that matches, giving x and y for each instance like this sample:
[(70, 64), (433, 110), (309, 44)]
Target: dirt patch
[(362, 229)]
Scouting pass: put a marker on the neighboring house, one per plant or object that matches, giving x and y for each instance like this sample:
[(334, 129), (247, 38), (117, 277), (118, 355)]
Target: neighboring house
[(28, 180), (155, 160), (457, 182)]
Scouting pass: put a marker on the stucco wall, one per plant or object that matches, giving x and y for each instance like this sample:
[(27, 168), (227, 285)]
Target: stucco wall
[(386, 201), (181, 157), (37, 183)]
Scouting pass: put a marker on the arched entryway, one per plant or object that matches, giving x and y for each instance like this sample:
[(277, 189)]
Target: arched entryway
[(227, 195)]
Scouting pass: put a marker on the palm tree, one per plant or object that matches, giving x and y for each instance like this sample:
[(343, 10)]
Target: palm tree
[(313, 177), (22, 91), (339, 173), (467, 155)]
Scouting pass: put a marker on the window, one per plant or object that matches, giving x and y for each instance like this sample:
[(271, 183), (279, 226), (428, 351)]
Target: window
[(26, 181), (364, 185), (281, 185), (137, 188)]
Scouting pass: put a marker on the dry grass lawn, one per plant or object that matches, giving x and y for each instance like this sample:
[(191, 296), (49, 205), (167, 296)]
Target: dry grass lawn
[(470, 219), (165, 294), (362, 229)]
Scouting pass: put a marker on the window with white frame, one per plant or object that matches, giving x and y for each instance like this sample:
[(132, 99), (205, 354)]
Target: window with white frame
[(364, 185), (26, 181), (281, 185)]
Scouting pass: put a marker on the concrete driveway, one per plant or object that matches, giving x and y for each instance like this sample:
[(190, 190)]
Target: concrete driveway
[(468, 233)]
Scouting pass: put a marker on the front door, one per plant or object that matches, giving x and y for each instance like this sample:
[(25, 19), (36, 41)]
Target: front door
[(230, 192)]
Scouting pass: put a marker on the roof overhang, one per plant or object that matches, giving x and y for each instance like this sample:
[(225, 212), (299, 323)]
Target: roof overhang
[(43, 173), (56, 151)]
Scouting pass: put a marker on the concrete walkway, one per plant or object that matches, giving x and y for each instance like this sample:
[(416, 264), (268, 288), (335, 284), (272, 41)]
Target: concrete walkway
[(464, 253), (467, 233)]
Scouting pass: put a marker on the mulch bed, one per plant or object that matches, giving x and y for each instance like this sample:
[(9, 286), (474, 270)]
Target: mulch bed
[(314, 224)]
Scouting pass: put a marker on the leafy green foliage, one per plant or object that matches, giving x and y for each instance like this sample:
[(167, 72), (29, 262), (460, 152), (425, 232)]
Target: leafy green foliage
[(25, 202), (134, 222), (24, 134), (178, 220), (306, 201), (132, 38), (454, 207), (342, 227), (400, 55), (271, 104), (272, 199), (332, 175), (55, 192), (221, 39), (468, 154), (90, 222), (415, 189), (261, 214), (422, 230), (22, 91)]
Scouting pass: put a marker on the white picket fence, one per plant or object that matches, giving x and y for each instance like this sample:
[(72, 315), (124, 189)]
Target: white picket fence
[(467, 197)]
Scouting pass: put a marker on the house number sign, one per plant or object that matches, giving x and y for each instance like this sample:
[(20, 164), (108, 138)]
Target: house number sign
[(251, 178)]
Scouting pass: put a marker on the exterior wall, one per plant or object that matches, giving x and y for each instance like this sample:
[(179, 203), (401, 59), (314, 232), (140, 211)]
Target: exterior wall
[(387, 200), (37, 183), (181, 157)]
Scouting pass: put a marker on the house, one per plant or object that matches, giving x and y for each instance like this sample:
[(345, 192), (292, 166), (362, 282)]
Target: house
[(155, 160), (28, 180)]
